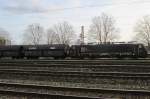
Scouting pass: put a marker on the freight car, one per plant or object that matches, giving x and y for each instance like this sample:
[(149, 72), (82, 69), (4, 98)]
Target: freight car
[(34, 51), (108, 50), (13, 51), (79, 51), (53, 50)]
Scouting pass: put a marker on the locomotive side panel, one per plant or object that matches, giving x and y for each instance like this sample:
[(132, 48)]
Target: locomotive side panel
[(31, 51), (54, 50)]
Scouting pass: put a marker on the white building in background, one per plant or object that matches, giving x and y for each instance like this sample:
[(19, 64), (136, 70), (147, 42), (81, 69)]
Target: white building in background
[(4, 37), (4, 41)]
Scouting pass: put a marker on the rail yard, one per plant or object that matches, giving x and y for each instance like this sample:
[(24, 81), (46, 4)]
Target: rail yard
[(75, 79), (75, 49)]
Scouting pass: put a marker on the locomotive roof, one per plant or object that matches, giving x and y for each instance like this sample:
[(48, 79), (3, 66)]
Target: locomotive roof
[(51, 46), (9, 47), (17, 47), (109, 44)]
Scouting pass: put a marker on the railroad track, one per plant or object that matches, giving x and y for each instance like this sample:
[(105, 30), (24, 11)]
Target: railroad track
[(101, 78), (74, 67), (76, 74), (44, 96), (68, 92), (123, 72), (85, 67), (111, 62)]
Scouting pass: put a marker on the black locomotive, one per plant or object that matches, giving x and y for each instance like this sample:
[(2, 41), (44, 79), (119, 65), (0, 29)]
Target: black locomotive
[(79, 51), (109, 50)]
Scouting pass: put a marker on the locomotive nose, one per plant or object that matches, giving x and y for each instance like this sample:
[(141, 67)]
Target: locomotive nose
[(142, 51)]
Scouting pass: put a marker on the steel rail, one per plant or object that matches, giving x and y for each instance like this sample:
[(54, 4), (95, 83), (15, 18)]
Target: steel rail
[(74, 72), (78, 61), (78, 75), (44, 95), (72, 65), (78, 89)]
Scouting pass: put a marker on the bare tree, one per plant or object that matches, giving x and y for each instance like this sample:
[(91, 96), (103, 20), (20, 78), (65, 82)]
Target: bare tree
[(63, 33), (142, 30), (33, 34), (103, 29), (52, 37)]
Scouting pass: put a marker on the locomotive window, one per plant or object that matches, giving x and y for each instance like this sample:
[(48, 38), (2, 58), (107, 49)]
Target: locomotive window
[(32, 48), (83, 49), (140, 46), (52, 48)]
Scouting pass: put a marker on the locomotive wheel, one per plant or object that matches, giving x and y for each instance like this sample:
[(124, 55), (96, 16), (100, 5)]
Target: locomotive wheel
[(81, 57), (27, 57), (56, 57), (120, 57)]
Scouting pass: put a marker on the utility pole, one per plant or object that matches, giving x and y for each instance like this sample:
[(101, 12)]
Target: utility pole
[(82, 35)]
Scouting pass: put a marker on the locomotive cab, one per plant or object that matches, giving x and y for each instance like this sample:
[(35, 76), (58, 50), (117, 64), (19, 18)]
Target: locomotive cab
[(142, 52)]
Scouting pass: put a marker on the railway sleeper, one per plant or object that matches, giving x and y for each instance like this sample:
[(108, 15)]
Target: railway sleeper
[(114, 83)]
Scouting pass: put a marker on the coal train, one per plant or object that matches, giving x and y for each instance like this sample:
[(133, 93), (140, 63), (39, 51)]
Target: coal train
[(62, 51)]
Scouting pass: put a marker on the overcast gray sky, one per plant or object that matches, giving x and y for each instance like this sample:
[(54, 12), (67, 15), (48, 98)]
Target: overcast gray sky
[(15, 15)]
